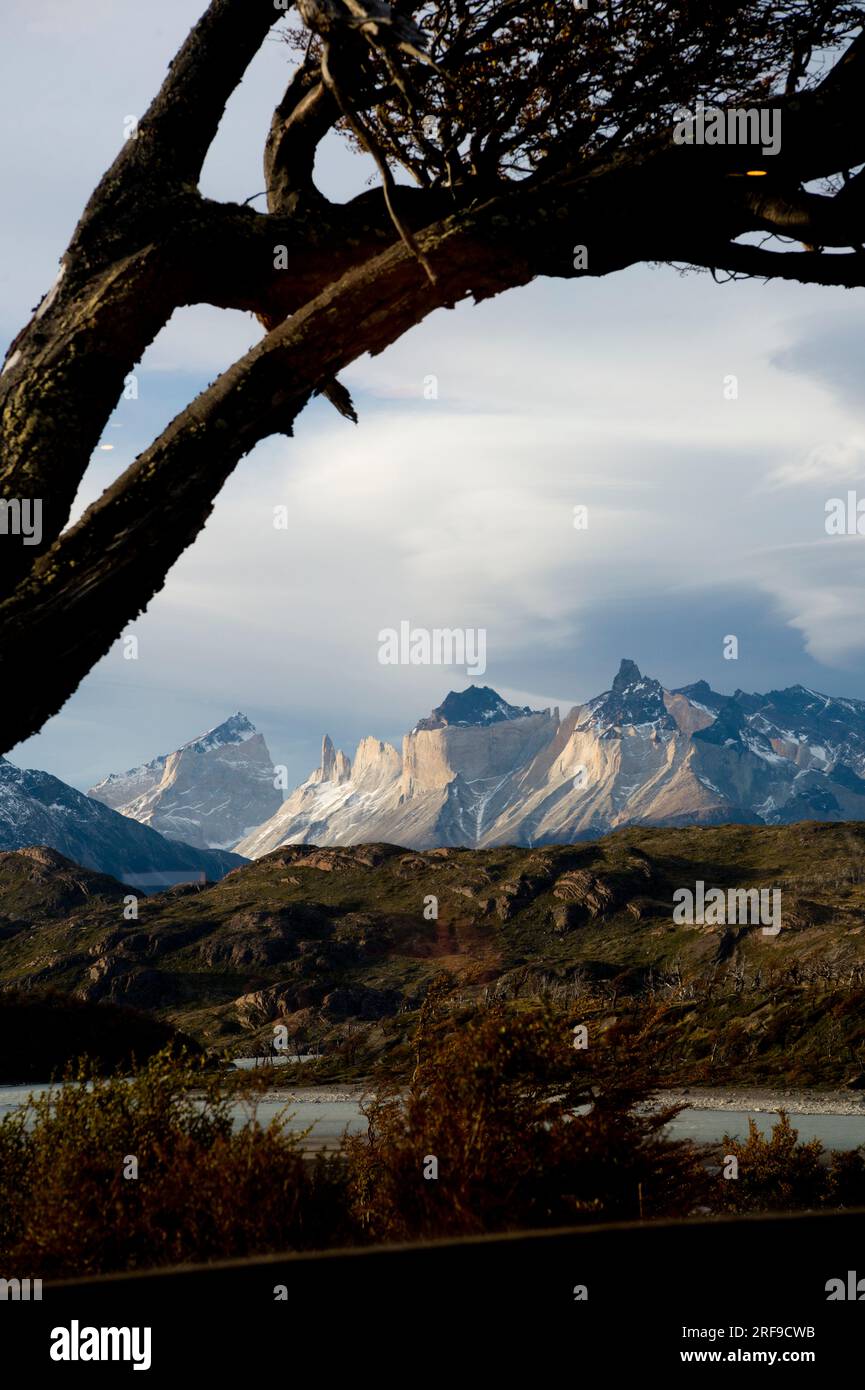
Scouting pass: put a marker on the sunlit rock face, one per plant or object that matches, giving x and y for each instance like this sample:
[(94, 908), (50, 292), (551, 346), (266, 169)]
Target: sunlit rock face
[(478, 771), (210, 792)]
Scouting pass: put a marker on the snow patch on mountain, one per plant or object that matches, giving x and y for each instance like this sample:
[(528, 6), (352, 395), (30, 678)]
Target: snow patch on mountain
[(208, 792)]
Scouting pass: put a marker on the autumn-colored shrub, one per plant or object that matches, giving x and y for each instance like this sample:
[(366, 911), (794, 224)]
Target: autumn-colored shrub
[(106, 1174), (846, 1178), (505, 1125), (778, 1173), (775, 1172)]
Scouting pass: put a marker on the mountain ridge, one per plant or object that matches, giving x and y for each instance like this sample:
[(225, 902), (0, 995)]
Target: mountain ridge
[(209, 792), (479, 772), (37, 809)]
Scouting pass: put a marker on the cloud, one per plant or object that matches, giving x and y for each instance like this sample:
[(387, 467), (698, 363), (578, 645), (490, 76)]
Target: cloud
[(818, 587), (827, 348), (833, 464)]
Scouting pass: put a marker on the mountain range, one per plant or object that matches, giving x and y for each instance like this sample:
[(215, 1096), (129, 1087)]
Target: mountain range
[(477, 772), (38, 809), (480, 772), (210, 792)]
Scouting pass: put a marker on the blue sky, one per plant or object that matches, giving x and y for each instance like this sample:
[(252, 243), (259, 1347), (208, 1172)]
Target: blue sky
[(706, 515)]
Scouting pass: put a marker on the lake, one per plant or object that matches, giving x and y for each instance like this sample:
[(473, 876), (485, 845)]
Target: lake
[(330, 1118)]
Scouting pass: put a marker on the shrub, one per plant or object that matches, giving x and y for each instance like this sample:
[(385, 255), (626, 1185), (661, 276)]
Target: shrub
[(846, 1178), (494, 1105), (775, 1173), (204, 1189)]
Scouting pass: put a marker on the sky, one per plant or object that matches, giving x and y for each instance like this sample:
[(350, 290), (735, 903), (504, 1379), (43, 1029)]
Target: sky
[(451, 508)]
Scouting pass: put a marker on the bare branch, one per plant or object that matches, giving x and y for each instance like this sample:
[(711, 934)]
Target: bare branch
[(808, 267)]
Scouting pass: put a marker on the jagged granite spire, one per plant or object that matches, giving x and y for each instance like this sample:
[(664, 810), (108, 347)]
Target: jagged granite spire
[(633, 699), (334, 765)]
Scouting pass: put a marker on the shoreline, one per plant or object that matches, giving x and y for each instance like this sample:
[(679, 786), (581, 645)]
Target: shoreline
[(754, 1099), (761, 1100)]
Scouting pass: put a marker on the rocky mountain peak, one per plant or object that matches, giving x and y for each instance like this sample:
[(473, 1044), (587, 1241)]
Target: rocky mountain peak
[(698, 690), (236, 729), (478, 705), (328, 758), (628, 675), (700, 693), (633, 699), (209, 792), (334, 765)]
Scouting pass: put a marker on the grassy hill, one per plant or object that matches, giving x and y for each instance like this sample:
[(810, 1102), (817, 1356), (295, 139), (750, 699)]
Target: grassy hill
[(342, 944)]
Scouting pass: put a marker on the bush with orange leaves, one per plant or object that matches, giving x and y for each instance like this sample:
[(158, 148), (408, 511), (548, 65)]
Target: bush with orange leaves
[(504, 1125), (157, 1168), (776, 1172)]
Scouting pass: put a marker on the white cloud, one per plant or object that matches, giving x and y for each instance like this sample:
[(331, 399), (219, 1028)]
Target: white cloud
[(818, 588), (833, 463)]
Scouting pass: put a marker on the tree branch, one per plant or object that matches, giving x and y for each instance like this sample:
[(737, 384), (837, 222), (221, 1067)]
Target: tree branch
[(175, 133), (809, 217), (66, 373), (105, 569), (808, 267), (300, 122)]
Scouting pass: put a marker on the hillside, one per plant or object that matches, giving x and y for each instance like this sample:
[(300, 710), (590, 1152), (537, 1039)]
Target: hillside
[(335, 944)]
